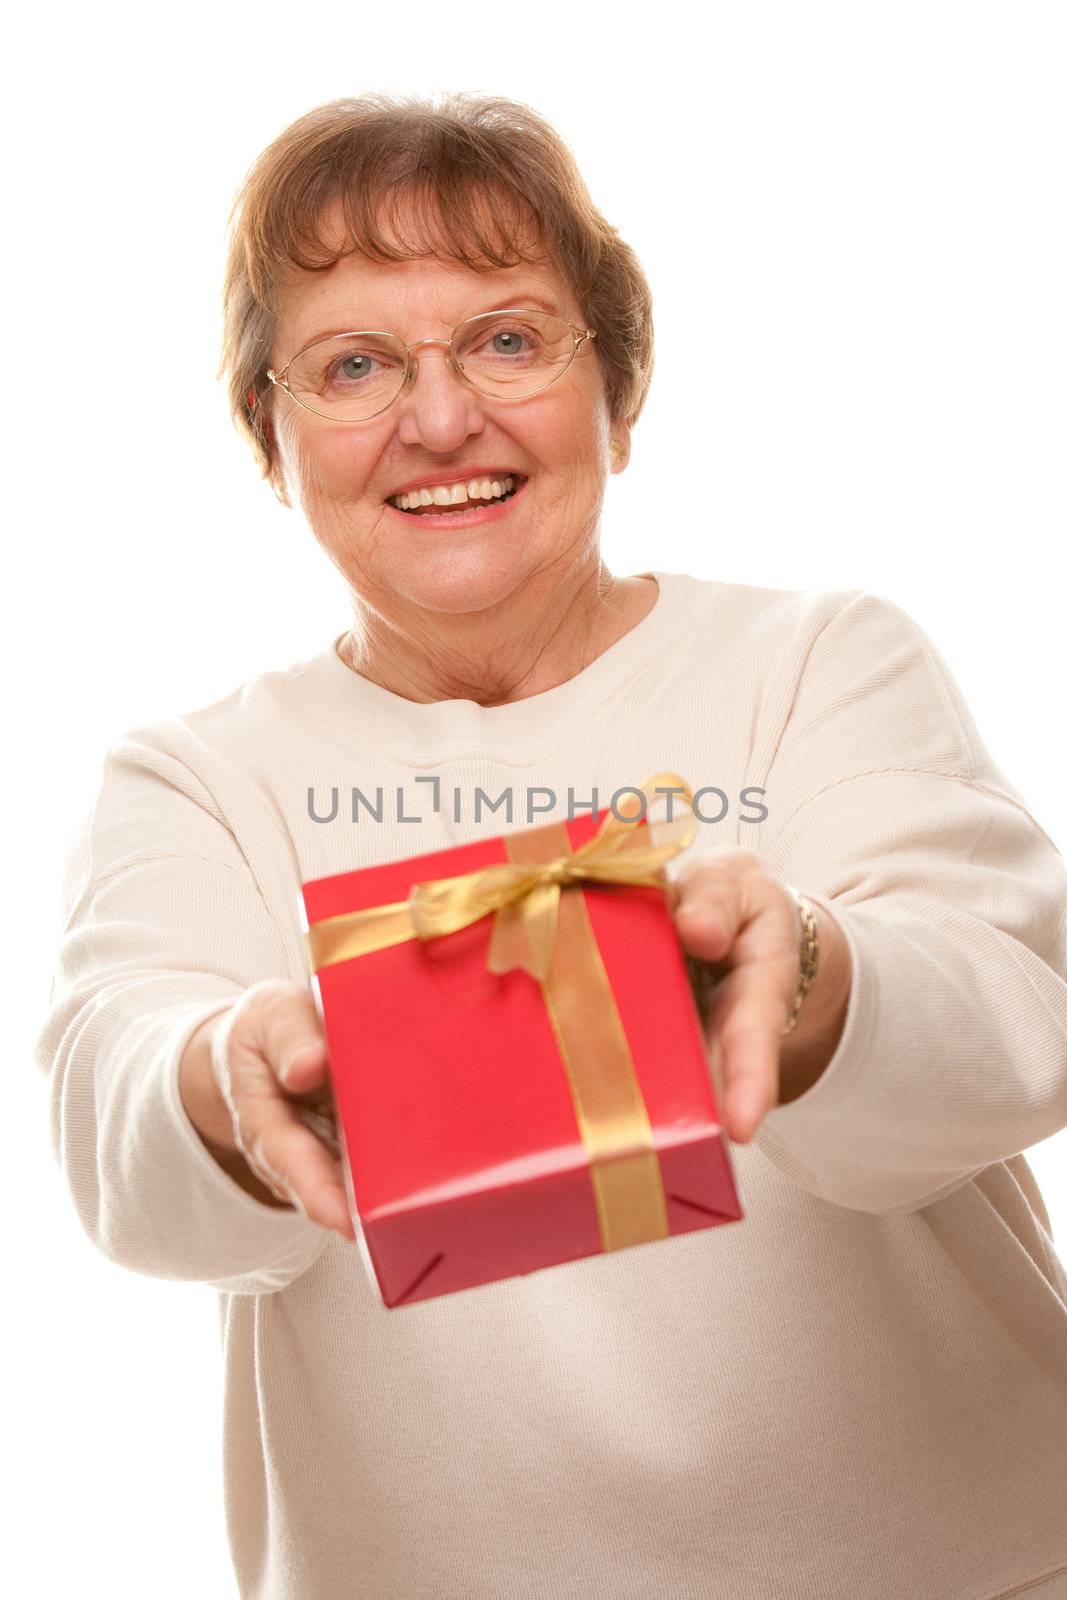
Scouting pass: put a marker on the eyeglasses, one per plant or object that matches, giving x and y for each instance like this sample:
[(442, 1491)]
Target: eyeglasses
[(508, 355)]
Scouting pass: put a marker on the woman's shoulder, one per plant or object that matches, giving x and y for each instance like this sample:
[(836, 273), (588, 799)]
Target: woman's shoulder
[(260, 701), (224, 746), (755, 599), (816, 624), (816, 643), (774, 619)]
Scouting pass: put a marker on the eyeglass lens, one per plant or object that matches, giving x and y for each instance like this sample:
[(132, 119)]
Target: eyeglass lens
[(351, 376)]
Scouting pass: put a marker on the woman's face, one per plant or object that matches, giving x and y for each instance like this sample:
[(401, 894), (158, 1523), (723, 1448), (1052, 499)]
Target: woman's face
[(343, 474)]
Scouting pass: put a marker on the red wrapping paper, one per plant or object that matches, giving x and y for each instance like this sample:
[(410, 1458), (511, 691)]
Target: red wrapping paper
[(462, 1153)]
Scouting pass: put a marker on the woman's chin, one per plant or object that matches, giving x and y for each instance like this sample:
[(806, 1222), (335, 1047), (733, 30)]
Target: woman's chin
[(440, 572), (455, 578)]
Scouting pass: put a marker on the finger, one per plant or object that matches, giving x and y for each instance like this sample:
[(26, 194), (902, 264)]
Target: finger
[(749, 921), (285, 1152), (323, 1127), (291, 1039), (748, 1016), (306, 1068), (748, 1066), (741, 1120), (278, 1146), (744, 919), (716, 901), (703, 931), (280, 1186), (251, 1148)]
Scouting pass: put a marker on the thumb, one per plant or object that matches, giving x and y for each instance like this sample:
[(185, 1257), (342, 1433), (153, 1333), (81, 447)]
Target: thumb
[(304, 1066), (292, 1040)]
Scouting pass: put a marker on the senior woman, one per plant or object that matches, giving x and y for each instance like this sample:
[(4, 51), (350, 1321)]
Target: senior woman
[(438, 349)]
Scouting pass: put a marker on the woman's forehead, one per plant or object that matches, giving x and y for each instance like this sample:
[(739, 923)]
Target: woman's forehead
[(410, 297), (422, 285)]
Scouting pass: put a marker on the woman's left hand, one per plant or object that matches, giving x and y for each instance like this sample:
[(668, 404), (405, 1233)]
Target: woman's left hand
[(733, 913)]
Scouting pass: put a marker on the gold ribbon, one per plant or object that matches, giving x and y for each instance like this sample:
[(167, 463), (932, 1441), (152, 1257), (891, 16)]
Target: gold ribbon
[(549, 935)]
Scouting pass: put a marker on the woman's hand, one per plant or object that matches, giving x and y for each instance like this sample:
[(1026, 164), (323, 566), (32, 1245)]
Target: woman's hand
[(732, 912), (245, 1075)]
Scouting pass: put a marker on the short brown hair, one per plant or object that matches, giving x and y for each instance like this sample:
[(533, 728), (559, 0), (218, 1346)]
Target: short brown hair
[(494, 163)]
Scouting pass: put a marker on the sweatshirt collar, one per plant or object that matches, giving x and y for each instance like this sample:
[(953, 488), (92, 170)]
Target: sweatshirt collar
[(424, 730)]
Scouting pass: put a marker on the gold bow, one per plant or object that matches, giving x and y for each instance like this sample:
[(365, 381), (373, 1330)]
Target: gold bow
[(524, 897)]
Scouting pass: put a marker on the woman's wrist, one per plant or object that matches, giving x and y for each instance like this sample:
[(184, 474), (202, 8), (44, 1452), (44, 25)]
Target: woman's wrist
[(809, 1048)]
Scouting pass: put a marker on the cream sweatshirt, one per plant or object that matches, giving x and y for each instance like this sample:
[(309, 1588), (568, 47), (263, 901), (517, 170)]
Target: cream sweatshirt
[(859, 1390)]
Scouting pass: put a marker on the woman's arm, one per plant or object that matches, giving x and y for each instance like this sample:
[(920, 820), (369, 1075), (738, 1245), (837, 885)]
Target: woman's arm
[(953, 1053), (953, 902), (164, 931)]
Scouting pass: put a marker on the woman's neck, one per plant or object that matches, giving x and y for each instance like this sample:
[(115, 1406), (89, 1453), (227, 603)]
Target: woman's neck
[(524, 647)]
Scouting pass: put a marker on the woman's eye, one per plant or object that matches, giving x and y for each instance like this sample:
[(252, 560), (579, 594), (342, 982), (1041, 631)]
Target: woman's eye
[(511, 341), (352, 369), (508, 343)]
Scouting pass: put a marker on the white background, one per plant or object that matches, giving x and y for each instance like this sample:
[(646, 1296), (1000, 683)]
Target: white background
[(852, 218)]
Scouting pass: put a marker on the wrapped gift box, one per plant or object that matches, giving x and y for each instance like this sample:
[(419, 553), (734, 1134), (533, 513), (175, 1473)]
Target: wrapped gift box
[(497, 1123)]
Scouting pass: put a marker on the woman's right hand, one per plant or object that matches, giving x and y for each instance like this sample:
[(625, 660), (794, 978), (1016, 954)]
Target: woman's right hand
[(245, 1074)]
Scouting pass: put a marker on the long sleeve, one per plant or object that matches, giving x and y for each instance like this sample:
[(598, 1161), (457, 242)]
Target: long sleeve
[(162, 926), (953, 901)]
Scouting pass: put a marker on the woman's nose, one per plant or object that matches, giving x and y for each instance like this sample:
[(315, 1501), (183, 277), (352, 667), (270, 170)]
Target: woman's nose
[(437, 408)]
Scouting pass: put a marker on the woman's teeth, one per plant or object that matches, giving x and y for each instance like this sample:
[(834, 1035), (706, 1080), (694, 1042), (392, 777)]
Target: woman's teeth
[(454, 494)]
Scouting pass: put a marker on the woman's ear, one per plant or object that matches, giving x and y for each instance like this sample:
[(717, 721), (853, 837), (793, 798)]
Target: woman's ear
[(276, 480)]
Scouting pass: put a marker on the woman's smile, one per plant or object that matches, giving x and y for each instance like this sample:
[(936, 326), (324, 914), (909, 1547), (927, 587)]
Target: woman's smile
[(462, 516)]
